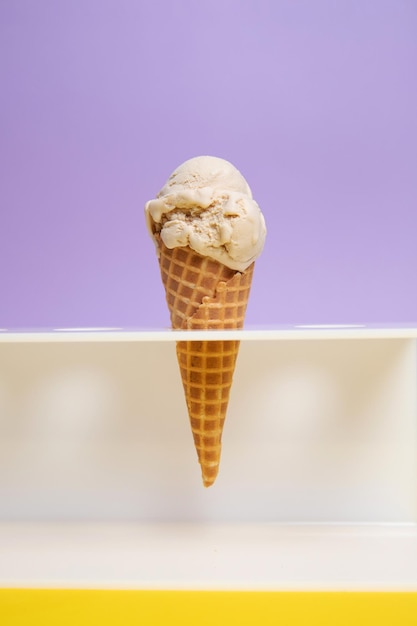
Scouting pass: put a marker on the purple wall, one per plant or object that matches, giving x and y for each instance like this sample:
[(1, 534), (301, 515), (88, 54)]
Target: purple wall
[(315, 102)]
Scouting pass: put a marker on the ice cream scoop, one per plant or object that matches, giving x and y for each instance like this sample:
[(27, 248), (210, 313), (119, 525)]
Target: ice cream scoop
[(208, 231), (207, 205)]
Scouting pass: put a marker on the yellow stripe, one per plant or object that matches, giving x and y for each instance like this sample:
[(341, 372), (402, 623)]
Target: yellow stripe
[(66, 607)]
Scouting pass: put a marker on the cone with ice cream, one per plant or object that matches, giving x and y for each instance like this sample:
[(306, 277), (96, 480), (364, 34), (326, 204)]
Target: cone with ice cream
[(208, 231)]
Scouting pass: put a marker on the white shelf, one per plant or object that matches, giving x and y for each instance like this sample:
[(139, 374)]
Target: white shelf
[(100, 485), (299, 332), (218, 557)]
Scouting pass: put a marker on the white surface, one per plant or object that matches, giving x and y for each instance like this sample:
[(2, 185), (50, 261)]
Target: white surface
[(268, 557), (317, 431), (93, 426), (300, 332)]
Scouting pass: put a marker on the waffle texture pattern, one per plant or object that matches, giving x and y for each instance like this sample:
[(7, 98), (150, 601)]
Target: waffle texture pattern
[(204, 294)]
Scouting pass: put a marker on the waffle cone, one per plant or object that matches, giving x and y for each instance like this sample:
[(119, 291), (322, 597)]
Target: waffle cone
[(204, 294)]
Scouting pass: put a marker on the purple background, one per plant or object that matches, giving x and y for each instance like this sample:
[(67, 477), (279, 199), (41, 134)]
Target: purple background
[(315, 102)]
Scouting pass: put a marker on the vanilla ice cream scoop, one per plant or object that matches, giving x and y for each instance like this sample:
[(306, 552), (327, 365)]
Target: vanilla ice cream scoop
[(207, 205)]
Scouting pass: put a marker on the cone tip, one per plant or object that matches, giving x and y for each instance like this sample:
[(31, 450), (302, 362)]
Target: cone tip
[(209, 477)]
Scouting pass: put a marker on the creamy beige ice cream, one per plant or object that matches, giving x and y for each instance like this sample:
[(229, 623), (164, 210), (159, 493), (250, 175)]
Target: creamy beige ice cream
[(207, 205)]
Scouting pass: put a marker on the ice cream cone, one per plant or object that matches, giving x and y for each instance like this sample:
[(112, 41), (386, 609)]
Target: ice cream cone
[(204, 294), (208, 231)]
